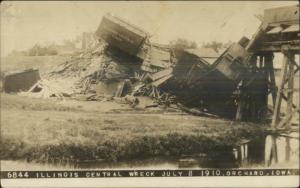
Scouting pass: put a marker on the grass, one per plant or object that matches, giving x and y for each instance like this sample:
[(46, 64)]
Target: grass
[(44, 130)]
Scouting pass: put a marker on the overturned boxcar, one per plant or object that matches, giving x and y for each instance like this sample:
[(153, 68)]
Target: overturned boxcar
[(21, 80), (120, 34), (197, 83)]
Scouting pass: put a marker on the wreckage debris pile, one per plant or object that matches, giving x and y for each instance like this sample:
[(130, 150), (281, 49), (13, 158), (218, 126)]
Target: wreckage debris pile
[(101, 73), (124, 64), (77, 75)]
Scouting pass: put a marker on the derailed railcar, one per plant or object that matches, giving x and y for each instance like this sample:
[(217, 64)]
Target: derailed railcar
[(196, 83), (122, 35), (20, 80)]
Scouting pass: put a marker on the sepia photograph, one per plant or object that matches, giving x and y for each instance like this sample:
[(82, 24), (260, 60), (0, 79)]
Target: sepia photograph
[(149, 93)]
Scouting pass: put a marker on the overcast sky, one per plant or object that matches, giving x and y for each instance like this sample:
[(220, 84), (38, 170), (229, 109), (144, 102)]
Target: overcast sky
[(25, 23)]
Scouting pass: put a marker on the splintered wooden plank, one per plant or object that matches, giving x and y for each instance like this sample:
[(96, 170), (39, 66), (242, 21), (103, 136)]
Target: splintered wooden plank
[(161, 74), (161, 81), (292, 28), (120, 89), (275, 30)]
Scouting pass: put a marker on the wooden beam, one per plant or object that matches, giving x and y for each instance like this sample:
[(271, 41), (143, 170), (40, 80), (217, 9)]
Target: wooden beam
[(290, 87), (279, 43), (286, 135), (239, 114), (290, 90), (278, 98), (282, 130), (287, 118), (270, 68), (285, 98), (274, 149), (264, 67), (287, 148), (295, 71), (261, 60), (267, 48), (292, 60)]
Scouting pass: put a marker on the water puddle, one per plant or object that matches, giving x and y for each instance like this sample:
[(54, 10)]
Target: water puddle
[(280, 151)]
